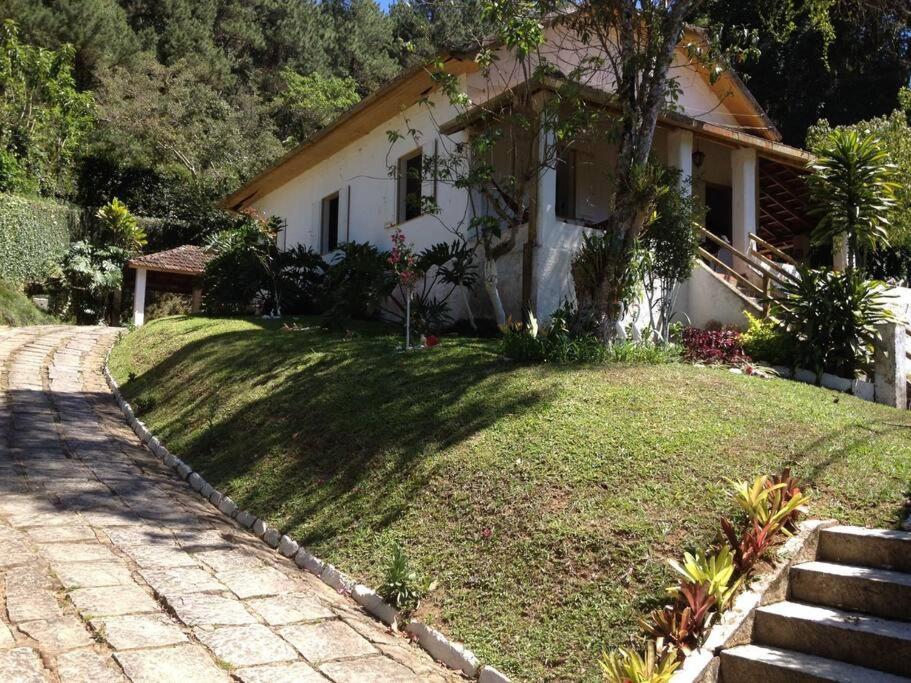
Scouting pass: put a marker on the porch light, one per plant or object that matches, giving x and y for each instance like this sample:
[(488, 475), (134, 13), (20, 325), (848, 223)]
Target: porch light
[(698, 158)]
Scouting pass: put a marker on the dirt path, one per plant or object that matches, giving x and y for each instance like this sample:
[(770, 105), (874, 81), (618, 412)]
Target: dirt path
[(112, 569)]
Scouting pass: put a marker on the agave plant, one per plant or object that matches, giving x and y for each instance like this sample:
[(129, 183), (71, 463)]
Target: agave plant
[(656, 665), (851, 191)]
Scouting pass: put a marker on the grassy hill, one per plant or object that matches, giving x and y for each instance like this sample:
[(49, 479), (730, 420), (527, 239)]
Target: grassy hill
[(543, 499), (16, 309)]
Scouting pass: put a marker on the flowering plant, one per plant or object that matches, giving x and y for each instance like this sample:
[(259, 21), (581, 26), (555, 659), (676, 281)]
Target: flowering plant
[(404, 266), (404, 262)]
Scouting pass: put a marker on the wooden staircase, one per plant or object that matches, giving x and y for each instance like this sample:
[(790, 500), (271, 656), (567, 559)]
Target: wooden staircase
[(847, 618)]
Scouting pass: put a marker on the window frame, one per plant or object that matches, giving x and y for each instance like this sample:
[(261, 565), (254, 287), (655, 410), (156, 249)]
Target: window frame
[(401, 190), (325, 218)]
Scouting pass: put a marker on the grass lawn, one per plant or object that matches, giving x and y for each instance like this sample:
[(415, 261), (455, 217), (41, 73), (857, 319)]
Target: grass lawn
[(16, 309), (543, 499)]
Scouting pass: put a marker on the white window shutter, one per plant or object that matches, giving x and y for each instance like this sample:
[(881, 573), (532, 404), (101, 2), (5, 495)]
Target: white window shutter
[(316, 227), (344, 214)]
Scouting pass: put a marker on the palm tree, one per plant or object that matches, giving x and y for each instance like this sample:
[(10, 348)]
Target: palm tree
[(852, 192)]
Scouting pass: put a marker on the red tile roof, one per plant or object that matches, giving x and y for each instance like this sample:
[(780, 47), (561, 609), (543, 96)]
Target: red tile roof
[(186, 260)]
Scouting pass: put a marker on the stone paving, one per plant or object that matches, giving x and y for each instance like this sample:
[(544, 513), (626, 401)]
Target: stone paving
[(111, 569)]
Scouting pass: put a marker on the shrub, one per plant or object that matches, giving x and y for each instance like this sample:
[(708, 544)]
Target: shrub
[(301, 273), (572, 338), (766, 341), (85, 280), (357, 283), (713, 346), (831, 319), (34, 235)]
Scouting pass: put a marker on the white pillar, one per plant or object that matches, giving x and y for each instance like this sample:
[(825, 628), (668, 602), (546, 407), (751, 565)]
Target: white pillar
[(745, 202), (680, 155), (139, 297), (549, 290)]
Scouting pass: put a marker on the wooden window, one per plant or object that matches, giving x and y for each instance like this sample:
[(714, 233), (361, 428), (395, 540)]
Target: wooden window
[(566, 185), (329, 219), (411, 177)]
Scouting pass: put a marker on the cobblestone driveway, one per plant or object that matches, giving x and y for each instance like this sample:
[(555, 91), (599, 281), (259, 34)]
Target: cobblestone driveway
[(111, 569)]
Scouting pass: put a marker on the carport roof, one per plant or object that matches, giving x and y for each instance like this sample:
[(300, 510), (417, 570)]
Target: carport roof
[(187, 259)]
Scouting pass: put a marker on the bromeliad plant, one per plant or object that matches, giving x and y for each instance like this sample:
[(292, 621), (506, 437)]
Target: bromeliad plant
[(709, 580)]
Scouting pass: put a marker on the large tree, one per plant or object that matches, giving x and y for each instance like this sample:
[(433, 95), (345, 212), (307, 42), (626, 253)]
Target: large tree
[(814, 57), (43, 117)]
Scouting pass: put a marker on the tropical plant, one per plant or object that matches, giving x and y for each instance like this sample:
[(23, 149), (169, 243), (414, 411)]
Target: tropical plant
[(751, 545), (604, 270), (301, 275), (402, 587), (244, 265), (357, 282), (85, 280), (657, 665), (684, 623), (852, 192), (715, 570), (122, 227), (787, 500), (831, 319)]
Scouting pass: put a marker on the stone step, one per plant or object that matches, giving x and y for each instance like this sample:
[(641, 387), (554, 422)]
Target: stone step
[(879, 592), (885, 549), (849, 637), (758, 664)]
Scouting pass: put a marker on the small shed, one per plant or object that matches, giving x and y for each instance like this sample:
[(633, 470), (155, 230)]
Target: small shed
[(174, 270)]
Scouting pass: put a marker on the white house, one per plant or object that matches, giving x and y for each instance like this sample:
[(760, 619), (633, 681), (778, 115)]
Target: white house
[(337, 187)]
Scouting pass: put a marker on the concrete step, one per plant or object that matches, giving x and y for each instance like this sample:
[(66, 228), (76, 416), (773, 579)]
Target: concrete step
[(879, 592), (850, 637), (862, 547), (755, 663)]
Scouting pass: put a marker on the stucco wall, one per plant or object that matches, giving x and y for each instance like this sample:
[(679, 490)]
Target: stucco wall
[(368, 194)]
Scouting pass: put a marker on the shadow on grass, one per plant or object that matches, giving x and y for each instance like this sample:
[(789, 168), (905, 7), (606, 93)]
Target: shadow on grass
[(350, 424)]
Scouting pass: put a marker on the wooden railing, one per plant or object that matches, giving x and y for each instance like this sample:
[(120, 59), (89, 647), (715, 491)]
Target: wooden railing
[(771, 272)]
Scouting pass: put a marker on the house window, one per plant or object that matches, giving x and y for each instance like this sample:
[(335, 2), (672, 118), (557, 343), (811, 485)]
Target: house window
[(411, 175), (329, 219), (566, 185)]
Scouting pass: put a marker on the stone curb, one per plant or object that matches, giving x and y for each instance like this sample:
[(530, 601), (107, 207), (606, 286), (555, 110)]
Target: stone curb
[(452, 654), (736, 625)]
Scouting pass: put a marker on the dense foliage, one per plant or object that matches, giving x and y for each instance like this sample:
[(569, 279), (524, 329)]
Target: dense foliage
[(812, 58), (43, 117), (86, 281), (34, 233), (831, 318)]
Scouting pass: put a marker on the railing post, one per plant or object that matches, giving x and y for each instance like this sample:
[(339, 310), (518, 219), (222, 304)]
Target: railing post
[(767, 295), (889, 380)]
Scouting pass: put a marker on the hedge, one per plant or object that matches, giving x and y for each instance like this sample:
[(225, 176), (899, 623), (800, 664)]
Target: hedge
[(34, 233)]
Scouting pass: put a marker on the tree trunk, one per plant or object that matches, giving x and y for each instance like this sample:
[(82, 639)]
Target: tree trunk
[(492, 285), (468, 308)]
